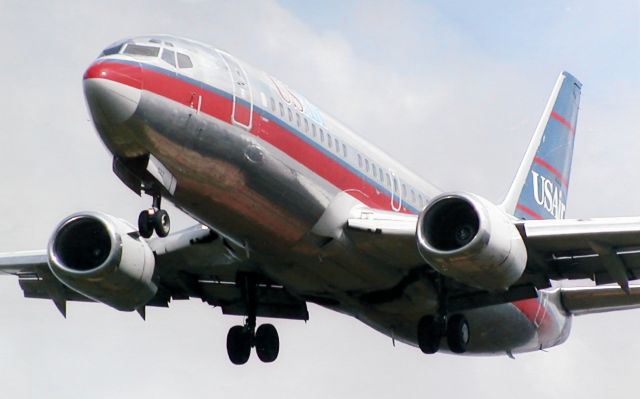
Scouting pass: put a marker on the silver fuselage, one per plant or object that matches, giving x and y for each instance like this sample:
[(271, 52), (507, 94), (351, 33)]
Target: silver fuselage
[(257, 162)]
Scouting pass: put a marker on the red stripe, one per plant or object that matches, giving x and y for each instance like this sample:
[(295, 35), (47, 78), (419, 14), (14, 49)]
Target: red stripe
[(562, 120), (551, 169), (220, 107), (528, 211)]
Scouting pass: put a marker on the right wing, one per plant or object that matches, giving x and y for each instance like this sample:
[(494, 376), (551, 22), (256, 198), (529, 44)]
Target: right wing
[(192, 263)]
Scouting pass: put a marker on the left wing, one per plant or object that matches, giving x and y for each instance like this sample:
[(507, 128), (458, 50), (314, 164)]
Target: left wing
[(602, 250)]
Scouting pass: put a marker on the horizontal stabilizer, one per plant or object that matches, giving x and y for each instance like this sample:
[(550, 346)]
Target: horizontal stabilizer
[(579, 301)]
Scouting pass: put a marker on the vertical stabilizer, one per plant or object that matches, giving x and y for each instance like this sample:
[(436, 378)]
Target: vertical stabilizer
[(540, 188)]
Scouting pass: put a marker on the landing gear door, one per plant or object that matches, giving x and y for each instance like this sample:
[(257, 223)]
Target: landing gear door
[(242, 110)]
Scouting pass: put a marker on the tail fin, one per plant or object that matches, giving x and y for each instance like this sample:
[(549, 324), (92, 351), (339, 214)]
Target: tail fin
[(539, 190)]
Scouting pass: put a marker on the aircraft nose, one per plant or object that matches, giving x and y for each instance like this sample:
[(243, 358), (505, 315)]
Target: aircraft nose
[(113, 90)]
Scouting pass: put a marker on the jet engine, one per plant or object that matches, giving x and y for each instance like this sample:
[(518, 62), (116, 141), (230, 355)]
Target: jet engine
[(103, 258), (467, 238)]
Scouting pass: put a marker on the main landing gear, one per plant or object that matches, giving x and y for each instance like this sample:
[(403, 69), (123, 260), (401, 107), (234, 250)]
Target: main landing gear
[(154, 219), (241, 339), (431, 329)]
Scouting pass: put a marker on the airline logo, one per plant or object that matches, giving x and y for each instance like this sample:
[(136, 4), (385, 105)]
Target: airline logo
[(548, 195)]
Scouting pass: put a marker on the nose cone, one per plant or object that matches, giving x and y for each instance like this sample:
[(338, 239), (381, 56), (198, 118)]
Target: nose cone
[(113, 91)]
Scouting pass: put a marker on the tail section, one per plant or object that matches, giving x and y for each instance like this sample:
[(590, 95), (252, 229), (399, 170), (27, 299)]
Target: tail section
[(539, 190)]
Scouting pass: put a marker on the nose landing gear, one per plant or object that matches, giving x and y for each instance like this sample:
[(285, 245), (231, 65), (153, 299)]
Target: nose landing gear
[(154, 219)]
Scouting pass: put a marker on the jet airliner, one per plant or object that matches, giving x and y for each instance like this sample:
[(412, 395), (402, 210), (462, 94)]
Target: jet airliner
[(292, 207)]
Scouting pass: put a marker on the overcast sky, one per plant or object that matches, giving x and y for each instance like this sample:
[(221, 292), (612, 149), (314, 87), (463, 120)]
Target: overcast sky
[(452, 89)]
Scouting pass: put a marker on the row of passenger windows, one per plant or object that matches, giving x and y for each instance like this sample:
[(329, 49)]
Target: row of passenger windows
[(307, 127), (325, 138), (391, 183), (171, 57)]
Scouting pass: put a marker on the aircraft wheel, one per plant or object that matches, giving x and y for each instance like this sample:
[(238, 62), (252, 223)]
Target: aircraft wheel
[(162, 223), (238, 345), (429, 334), (267, 343), (145, 223), (458, 333)]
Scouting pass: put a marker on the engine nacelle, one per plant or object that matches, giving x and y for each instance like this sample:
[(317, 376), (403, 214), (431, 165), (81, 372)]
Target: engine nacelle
[(95, 255), (467, 238)]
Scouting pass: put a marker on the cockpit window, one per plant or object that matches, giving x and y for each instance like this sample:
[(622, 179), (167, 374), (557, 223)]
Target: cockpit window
[(137, 49), (169, 56), (115, 49), (184, 61)]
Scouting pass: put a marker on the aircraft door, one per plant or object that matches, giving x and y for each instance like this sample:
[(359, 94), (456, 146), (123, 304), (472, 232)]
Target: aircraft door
[(396, 193), (242, 110)]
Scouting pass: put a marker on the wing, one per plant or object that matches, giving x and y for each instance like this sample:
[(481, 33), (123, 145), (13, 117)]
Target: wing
[(192, 263), (602, 250)]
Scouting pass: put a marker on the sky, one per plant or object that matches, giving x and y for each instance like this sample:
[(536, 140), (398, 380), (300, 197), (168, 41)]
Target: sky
[(452, 89)]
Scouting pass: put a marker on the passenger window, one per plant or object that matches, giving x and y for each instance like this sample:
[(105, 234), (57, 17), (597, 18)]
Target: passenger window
[(329, 140), (313, 130), (272, 104), (344, 150), (137, 49), (281, 110), (366, 165), (321, 135), (359, 161), (184, 61), (388, 180), (290, 115), (306, 126), (404, 191), (375, 170), (169, 56), (413, 196), (298, 119), (381, 175)]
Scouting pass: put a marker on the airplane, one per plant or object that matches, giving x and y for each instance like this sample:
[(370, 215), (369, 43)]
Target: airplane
[(292, 208)]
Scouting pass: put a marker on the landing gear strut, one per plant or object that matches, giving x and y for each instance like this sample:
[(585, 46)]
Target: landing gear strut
[(154, 219), (432, 328), (241, 339)]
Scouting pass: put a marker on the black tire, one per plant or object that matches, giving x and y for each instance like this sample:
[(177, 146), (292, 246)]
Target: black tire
[(458, 333), (429, 334), (162, 223), (145, 224), (238, 345), (267, 343)]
